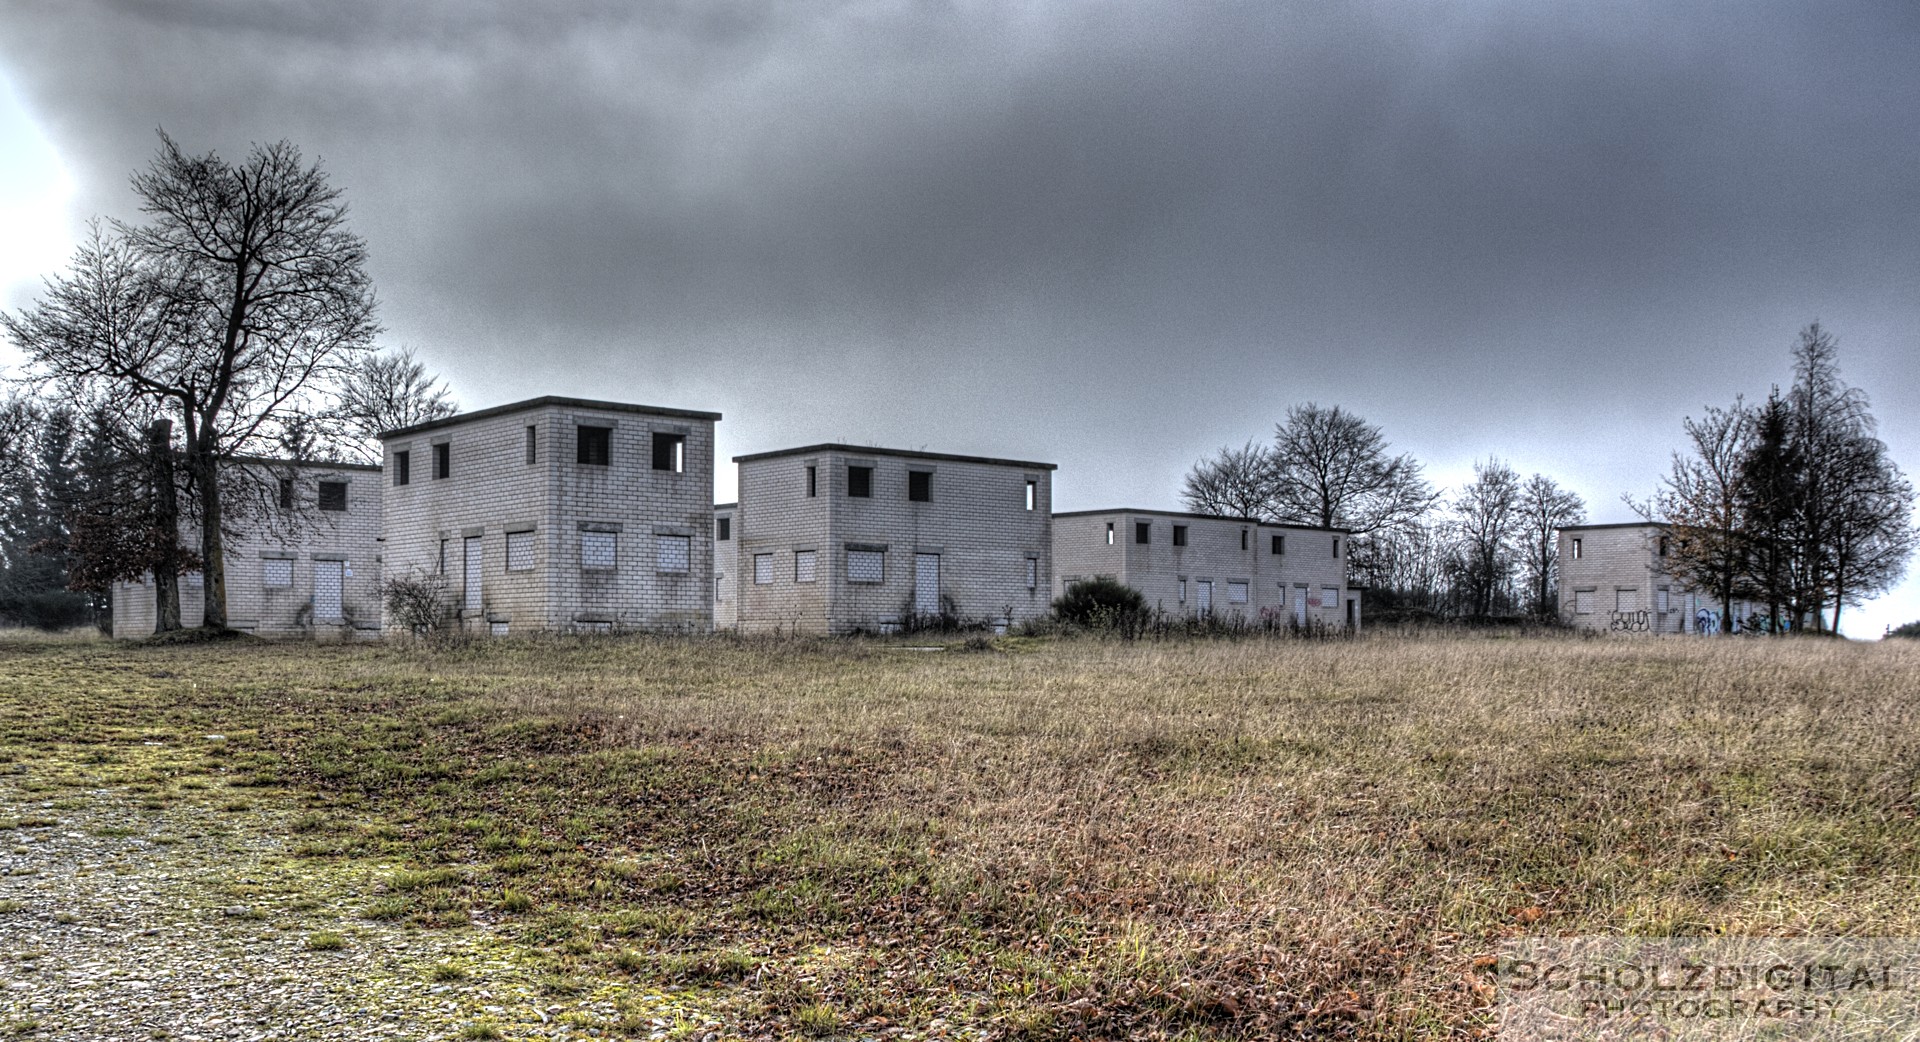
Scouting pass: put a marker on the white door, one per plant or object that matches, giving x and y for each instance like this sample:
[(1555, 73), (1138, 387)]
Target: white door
[(926, 584), (1204, 590), (1300, 605), (327, 580), (472, 600)]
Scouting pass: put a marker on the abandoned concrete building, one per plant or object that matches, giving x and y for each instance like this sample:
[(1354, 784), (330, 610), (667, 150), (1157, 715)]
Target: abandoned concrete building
[(558, 514), (1204, 565), (1613, 578), (726, 569), (303, 558), (834, 539)]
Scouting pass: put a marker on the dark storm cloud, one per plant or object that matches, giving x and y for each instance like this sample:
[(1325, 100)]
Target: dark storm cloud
[(1117, 235)]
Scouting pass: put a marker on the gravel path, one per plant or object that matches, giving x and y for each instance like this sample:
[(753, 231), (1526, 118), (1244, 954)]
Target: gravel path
[(123, 922)]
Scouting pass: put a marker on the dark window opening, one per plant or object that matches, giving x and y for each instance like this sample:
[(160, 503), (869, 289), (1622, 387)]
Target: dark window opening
[(1243, 539), (1279, 544), (919, 486), (1336, 547), (286, 493), (533, 444), (723, 528), (670, 452), (813, 484), (1663, 546), (1143, 531), (443, 460), (1179, 535), (333, 495), (402, 471), (860, 482), (594, 446)]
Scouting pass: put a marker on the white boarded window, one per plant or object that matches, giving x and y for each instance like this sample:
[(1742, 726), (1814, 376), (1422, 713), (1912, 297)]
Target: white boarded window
[(1033, 573), (1329, 596), (762, 569), (1661, 599), (1236, 593), (804, 562), (866, 566), (520, 550), (276, 571), (1583, 602), (672, 553), (598, 551), (1626, 600)]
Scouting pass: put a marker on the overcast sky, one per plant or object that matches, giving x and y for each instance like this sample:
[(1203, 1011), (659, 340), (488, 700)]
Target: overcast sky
[(1111, 235)]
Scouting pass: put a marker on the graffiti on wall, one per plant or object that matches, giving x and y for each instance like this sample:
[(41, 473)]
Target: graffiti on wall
[(1706, 621), (1631, 621)]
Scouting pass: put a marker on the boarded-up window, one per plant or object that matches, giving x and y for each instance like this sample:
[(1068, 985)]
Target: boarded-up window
[(593, 446), (919, 486), (669, 452), (598, 551), (519, 551), (804, 562), (1626, 600), (276, 571), (1183, 591), (1661, 599), (1583, 602), (1236, 593), (860, 482), (672, 553), (762, 569), (333, 495), (1329, 596), (866, 566), (1033, 573)]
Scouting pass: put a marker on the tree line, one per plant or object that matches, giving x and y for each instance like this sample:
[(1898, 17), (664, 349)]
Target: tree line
[(1490, 549), (1794, 504), (234, 322)]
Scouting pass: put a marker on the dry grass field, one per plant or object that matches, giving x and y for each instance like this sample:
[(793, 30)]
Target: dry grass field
[(1037, 839)]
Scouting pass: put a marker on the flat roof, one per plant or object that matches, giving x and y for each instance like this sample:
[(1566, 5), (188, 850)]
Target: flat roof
[(542, 402), (870, 450), (725, 506), (276, 461), (1615, 524), (1203, 517)]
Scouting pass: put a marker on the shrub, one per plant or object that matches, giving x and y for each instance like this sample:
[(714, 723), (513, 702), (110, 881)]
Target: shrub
[(1911, 630), (1100, 602), (417, 601)]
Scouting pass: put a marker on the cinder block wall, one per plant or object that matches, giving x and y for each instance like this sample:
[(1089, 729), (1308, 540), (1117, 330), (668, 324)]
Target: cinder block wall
[(1619, 568), (493, 490), (1306, 580), (307, 536), (726, 568), (976, 521)]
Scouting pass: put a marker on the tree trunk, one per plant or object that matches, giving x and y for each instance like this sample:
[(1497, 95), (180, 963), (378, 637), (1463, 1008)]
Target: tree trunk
[(166, 523), (213, 565)]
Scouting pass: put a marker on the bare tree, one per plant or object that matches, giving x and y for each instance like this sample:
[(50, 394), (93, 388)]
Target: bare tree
[(1486, 516), (1235, 483), (236, 304), (1870, 522), (383, 392), (18, 415), (1543, 510), (1702, 502), (1331, 469)]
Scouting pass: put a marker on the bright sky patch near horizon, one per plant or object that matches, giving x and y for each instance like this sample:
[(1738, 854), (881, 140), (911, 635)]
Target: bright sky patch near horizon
[(1116, 237)]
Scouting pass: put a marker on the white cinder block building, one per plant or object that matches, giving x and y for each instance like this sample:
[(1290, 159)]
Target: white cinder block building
[(1199, 564), (1614, 578), (845, 539), (558, 514), (303, 559)]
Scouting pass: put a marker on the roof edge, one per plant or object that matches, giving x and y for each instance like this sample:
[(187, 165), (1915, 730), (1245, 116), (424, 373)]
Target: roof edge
[(542, 402), (1204, 517), (874, 450)]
